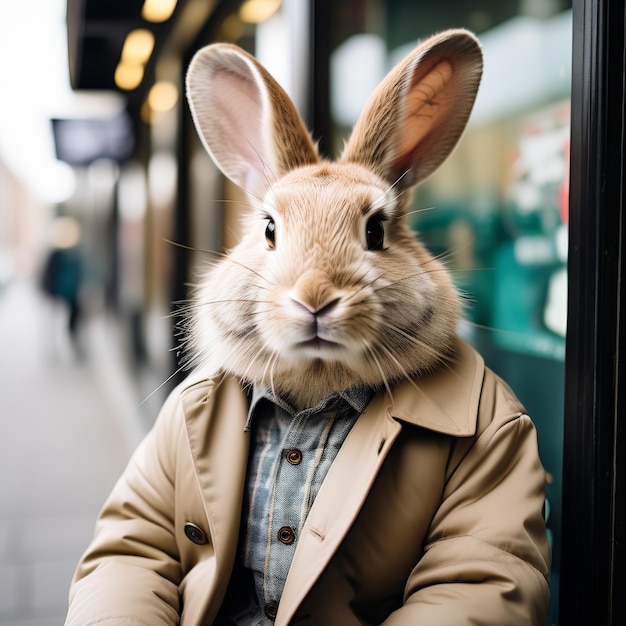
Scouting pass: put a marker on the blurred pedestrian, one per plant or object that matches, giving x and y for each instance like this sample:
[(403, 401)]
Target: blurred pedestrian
[(62, 272)]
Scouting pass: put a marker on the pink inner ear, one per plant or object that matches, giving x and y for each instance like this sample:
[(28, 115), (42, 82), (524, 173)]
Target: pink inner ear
[(426, 104), (237, 112)]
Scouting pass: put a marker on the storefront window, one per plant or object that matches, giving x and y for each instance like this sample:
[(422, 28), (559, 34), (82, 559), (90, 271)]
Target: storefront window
[(497, 210)]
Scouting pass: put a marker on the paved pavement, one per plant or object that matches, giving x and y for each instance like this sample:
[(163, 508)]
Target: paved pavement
[(67, 428)]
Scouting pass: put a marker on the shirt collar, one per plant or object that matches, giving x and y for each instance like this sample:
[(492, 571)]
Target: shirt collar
[(356, 397)]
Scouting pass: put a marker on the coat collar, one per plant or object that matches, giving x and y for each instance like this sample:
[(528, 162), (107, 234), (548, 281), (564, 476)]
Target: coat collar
[(445, 400)]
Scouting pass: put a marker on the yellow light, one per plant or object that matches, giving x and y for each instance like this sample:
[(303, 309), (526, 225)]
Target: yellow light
[(128, 75), (256, 11), (158, 10), (136, 51), (138, 46), (163, 96)]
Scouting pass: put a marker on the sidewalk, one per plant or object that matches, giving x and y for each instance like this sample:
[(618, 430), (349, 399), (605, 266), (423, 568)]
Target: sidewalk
[(67, 428)]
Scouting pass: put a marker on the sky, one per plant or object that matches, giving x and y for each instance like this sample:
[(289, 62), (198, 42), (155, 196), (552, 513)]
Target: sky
[(35, 86)]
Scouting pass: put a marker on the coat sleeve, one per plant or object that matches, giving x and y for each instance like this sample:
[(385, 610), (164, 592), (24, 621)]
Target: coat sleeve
[(486, 558), (130, 573)]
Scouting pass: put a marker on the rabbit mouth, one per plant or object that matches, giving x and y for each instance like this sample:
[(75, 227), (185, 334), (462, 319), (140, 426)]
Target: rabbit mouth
[(319, 345), (318, 342)]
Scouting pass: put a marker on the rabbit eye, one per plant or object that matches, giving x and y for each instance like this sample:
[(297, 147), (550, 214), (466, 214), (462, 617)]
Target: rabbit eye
[(375, 233), (270, 233)]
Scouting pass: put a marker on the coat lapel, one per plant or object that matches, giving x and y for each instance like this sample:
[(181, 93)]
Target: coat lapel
[(339, 500)]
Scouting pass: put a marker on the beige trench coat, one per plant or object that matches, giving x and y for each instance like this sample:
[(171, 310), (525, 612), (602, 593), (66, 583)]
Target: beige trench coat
[(430, 515)]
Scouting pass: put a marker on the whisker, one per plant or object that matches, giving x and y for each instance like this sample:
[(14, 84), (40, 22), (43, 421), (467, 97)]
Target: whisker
[(414, 341), (165, 382), (178, 244), (270, 365), (449, 254), (266, 170), (249, 269), (423, 210), (355, 279), (372, 353), (202, 303), (493, 329), (408, 376), (399, 179), (244, 203), (423, 272)]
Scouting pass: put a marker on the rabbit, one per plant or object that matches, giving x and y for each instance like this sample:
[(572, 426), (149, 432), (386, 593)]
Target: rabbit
[(329, 287), (401, 482)]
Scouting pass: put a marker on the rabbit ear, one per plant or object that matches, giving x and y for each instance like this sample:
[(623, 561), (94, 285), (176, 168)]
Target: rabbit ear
[(415, 117), (245, 120)]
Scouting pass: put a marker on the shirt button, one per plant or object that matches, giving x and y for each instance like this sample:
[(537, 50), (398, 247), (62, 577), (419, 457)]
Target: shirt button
[(271, 609), (294, 456), (195, 534), (286, 535)]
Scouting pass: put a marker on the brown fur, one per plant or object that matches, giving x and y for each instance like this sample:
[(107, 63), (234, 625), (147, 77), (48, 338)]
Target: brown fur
[(318, 311)]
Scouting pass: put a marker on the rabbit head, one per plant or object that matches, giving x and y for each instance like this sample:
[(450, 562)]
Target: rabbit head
[(329, 287)]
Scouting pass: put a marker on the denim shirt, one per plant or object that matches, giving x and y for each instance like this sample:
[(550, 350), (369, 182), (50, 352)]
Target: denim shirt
[(291, 453)]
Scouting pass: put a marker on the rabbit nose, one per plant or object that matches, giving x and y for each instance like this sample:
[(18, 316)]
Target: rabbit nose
[(315, 291), (317, 312)]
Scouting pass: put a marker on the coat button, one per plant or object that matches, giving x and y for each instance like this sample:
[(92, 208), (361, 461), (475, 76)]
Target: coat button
[(195, 534), (286, 535), (294, 456), (271, 609)]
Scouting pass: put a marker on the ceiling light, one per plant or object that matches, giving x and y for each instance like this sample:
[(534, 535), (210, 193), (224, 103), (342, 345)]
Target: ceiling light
[(256, 11), (128, 75), (163, 96), (136, 51), (158, 10), (138, 46)]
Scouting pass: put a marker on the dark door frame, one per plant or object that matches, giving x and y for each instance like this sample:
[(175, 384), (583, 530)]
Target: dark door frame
[(592, 564)]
